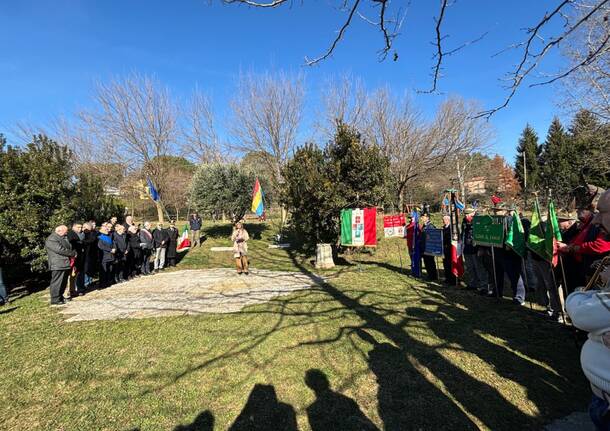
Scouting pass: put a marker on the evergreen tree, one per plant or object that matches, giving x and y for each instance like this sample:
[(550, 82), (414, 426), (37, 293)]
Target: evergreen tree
[(590, 144), (557, 171), (320, 183), (527, 170)]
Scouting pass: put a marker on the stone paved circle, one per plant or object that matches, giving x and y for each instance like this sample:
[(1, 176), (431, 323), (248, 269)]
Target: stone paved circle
[(185, 292)]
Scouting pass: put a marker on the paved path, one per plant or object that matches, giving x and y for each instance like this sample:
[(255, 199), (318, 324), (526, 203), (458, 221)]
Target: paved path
[(184, 292)]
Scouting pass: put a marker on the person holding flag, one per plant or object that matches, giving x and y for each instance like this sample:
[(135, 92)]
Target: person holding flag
[(542, 261), (415, 252)]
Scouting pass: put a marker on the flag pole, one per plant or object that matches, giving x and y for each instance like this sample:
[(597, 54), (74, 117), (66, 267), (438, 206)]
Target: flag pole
[(493, 264)]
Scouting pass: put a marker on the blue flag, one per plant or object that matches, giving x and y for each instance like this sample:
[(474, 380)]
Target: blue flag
[(154, 194), (415, 258)]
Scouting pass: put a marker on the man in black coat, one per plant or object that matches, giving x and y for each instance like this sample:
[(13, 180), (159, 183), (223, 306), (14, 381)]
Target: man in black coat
[(134, 257), (91, 259), (122, 250), (449, 277), (77, 275), (172, 244), (59, 252), (161, 240)]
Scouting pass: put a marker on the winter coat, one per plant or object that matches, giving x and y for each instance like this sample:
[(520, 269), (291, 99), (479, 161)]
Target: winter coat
[(172, 233), (106, 245), (120, 241), (79, 247), (91, 252), (59, 252), (468, 238), (447, 241), (240, 245), (146, 240), (161, 238), (195, 223)]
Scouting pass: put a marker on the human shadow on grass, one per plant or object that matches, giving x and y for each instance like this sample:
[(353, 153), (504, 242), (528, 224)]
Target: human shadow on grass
[(203, 422), (264, 412), (332, 410), (408, 379)]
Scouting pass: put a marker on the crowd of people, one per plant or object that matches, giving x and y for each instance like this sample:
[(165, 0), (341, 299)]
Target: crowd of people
[(584, 242), (111, 253)]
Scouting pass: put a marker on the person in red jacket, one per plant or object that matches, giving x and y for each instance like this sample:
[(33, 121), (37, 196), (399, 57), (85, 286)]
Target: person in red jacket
[(590, 244)]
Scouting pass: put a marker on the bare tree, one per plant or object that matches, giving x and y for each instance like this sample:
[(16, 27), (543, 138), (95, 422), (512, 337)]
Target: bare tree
[(557, 26), (134, 123), (589, 86), (201, 142), (267, 113), (399, 130), (416, 148), (344, 100)]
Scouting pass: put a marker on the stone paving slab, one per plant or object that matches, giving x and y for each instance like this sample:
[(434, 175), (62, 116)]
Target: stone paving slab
[(184, 293)]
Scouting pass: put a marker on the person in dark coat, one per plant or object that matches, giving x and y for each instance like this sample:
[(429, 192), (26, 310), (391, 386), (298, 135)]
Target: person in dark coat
[(429, 262), (59, 252), (161, 239), (108, 249), (449, 277), (91, 257), (77, 275), (134, 257), (195, 227), (122, 250), (172, 244), (147, 244)]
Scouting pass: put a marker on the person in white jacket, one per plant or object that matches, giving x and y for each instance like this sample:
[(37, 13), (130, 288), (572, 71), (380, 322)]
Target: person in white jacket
[(590, 311)]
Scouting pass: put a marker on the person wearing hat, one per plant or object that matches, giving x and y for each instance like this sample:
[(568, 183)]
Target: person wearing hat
[(476, 275), (590, 311)]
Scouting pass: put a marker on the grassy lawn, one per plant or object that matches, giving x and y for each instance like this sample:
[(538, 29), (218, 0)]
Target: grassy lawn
[(396, 352)]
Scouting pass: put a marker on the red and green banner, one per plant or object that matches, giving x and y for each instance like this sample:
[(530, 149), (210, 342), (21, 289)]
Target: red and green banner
[(359, 227)]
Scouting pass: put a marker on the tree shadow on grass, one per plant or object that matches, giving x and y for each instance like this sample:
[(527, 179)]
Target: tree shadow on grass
[(224, 230), (417, 378), (7, 310)]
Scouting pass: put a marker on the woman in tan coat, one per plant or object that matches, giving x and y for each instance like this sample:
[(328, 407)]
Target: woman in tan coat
[(240, 239)]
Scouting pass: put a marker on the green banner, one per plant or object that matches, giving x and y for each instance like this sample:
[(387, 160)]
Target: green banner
[(488, 230)]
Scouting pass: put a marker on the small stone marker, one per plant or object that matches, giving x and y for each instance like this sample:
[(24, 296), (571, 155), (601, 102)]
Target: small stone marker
[(324, 256), (284, 245), (221, 248)]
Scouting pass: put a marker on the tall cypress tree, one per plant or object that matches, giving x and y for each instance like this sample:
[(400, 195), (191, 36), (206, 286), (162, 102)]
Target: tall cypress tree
[(526, 162), (557, 172)]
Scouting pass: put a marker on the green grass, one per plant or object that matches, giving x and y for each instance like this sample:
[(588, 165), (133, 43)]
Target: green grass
[(410, 355)]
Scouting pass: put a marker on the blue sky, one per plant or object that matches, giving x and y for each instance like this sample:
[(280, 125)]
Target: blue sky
[(53, 51)]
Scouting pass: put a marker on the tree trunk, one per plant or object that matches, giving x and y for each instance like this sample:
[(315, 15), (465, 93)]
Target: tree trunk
[(159, 211)]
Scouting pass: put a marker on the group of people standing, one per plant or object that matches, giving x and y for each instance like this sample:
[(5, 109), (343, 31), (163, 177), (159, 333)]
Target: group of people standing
[(114, 252), (584, 242)]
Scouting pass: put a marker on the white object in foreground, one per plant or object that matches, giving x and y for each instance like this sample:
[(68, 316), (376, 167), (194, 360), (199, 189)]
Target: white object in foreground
[(324, 256)]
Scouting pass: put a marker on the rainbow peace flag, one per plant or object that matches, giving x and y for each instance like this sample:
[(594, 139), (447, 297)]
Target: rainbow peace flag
[(257, 199)]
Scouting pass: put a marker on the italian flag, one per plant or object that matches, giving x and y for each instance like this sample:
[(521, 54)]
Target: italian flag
[(359, 227), (183, 241)]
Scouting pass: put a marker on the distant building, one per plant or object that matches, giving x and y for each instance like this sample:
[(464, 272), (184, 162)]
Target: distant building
[(475, 185)]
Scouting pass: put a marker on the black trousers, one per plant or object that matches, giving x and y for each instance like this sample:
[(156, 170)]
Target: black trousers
[(106, 274), (430, 266), (145, 262), (449, 277), (59, 281)]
